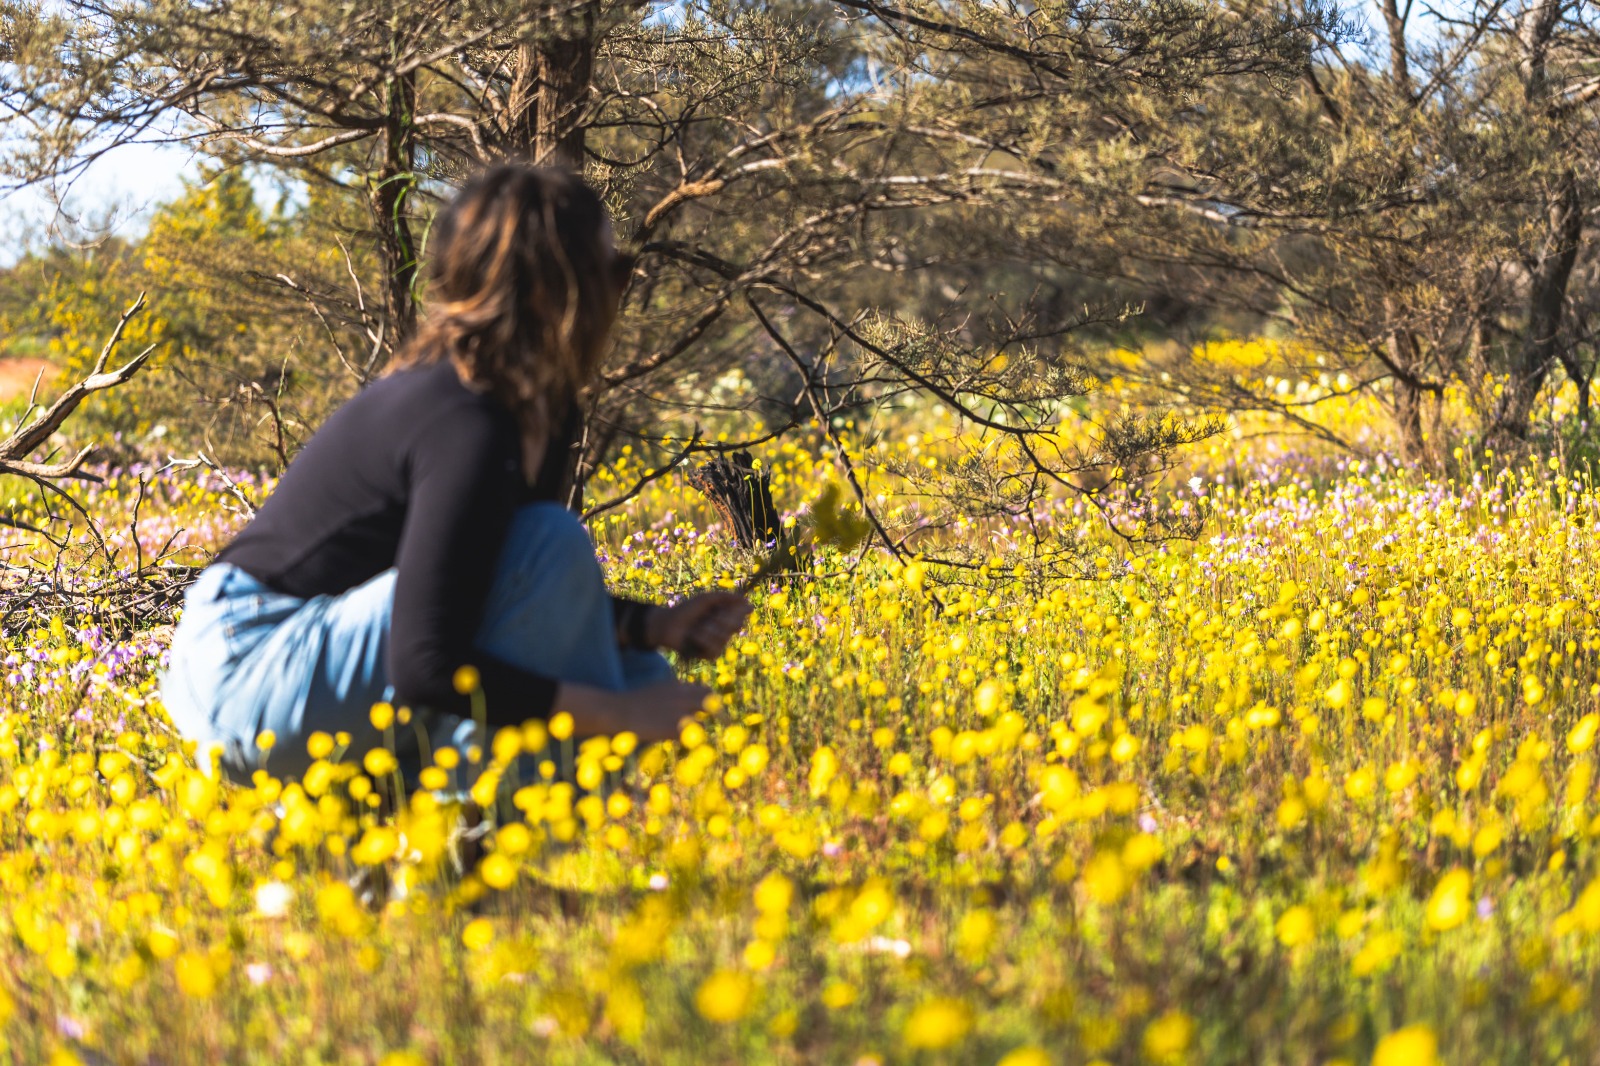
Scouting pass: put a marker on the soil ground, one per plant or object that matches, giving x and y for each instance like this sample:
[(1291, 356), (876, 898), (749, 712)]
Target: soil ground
[(18, 375)]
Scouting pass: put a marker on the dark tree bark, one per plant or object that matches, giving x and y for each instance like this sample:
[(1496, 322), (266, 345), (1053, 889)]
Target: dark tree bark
[(1394, 22), (549, 91), (1550, 269), (742, 495), (389, 191), (1409, 397), (1541, 348)]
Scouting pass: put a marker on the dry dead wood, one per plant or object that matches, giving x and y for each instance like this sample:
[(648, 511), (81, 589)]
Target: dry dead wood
[(38, 425), (118, 597), (742, 496)]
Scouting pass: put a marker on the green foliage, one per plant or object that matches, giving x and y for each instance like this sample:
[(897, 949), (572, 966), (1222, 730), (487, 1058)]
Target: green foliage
[(840, 206), (231, 375)]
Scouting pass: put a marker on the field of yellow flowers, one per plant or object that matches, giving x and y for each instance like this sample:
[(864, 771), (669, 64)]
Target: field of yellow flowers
[(1318, 787)]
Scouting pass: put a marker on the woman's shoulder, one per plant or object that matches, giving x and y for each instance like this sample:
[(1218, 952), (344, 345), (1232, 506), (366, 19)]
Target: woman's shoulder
[(426, 409), (436, 379), (426, 393), (411, 411)]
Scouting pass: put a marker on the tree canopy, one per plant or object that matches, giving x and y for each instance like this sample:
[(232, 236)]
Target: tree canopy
[(855, 204)]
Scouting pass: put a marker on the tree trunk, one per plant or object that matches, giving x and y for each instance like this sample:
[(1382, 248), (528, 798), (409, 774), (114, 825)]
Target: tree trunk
[(1540, 349), (549, 87), (1405, 365), (1408, 403), (388, 194), (742, 495), (1548, 274), (1394, 22), (1534, 31)]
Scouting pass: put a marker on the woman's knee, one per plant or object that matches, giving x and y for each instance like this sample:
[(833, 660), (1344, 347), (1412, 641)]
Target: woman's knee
[(548, 610), (548, 534), (641, 669)]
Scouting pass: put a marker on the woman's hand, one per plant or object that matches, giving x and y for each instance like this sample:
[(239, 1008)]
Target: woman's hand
[(658, 712), (653, 713), (699, 627)]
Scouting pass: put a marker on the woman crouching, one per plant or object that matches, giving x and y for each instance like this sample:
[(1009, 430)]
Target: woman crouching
[(423, 529)]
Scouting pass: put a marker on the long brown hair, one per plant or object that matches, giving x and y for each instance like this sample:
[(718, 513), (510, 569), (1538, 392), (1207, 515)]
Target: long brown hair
[(523, 290)]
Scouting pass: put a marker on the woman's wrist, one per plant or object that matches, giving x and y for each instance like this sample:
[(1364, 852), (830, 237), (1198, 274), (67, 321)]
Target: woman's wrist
[(638, 628), (651, 625)]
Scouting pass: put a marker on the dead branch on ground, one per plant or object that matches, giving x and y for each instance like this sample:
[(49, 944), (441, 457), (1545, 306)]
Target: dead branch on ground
[(118, 598)]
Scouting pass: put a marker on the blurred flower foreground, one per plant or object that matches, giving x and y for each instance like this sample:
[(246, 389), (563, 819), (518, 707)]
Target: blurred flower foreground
[(1317, 787)]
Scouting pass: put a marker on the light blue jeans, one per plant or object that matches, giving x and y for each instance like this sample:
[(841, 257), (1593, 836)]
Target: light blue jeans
[(247, 660)]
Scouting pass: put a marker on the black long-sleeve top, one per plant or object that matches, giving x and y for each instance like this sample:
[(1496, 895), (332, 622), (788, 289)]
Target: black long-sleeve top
[(420, 473)]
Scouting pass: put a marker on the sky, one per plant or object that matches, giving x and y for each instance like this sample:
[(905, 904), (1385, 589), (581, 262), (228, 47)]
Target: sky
[(124, 186)]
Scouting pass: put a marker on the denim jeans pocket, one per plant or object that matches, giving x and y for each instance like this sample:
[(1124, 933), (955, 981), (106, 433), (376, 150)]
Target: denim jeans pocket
[(241, 610), (240, 615)]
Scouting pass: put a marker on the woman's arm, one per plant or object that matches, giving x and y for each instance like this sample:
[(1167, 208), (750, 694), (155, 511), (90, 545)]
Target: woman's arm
[(653, 713), (699, 627), (465, 485), (464, 481)]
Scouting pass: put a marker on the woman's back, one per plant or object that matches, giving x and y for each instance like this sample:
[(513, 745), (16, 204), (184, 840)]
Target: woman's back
[(335, 519)]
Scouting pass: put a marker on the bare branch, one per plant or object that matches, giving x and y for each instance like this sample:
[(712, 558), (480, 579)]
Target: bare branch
[(27, 438)]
